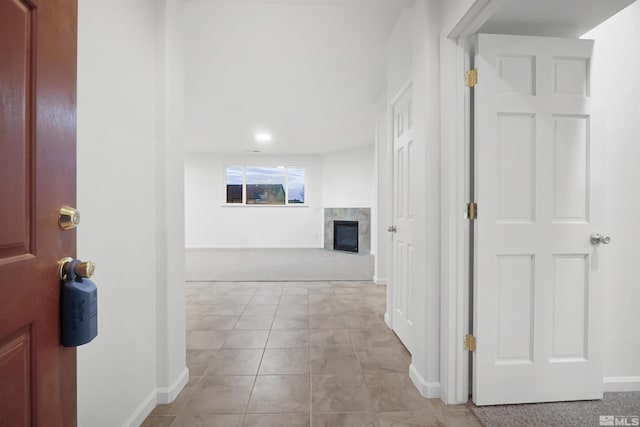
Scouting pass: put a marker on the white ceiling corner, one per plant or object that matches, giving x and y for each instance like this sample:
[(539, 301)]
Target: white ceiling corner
[(557, 18), (307, 71)]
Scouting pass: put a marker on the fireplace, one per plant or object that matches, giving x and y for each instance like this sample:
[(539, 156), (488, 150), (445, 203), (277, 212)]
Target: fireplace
[(360, 215), (345, 236)]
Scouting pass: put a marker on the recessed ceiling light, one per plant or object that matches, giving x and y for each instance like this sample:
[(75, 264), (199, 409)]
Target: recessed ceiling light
[(263, 137)]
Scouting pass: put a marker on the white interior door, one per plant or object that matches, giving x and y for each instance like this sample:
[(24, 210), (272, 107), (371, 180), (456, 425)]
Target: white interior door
[(538, 293), (403, 216)]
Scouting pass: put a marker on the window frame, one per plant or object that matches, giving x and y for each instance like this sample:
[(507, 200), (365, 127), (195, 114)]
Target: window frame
[(244, 167)]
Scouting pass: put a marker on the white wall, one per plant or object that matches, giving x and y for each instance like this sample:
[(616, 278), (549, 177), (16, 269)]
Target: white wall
[(383, 209), (209, 223), (399, 72), (399, 55), (340, 179), (616, 96), (121, 154), (172, 373), (452, 11), (413, 54), (425, 361), (454, 244), (348, 178), (425, 371)]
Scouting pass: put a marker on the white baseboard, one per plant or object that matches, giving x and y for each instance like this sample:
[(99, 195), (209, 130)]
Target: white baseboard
[(169, 394), (160, 395), (425, 388), (379, 281), (387, 320), (621, 383), (253, 246), (142, 411)]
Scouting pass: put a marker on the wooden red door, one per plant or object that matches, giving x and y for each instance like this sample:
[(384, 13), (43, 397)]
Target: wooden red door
[(37, 177)]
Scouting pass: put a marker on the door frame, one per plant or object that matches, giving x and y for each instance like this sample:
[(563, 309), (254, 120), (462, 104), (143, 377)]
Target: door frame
[(456, 57)]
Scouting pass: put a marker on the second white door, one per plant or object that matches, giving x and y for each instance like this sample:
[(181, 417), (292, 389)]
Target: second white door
[(403, 216), (538, 288)]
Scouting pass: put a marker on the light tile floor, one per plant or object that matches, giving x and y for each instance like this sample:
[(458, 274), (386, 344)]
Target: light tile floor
[(297, 354)]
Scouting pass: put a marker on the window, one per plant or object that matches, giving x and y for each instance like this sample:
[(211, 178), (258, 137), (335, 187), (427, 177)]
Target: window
[(265, 185), (235, 181), (295, 183)]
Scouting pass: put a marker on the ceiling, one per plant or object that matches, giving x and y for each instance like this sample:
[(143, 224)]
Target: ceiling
[(559, 18), (308, 72)]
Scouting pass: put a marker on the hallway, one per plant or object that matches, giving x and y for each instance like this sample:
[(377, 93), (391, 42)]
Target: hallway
[(297, 354)]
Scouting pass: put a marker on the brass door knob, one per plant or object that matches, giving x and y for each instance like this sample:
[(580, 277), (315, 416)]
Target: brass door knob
[(86, 269), (82, 269), (68, 218)]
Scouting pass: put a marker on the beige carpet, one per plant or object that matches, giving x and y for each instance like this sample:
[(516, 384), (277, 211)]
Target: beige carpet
[(560, 414), (241, 265)]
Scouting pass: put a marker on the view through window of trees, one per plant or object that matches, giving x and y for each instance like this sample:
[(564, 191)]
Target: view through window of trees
[(262, 185)]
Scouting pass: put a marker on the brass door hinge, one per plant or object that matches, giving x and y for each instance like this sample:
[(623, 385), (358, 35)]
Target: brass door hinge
[(472, 211), (471, 77), (470, 342)]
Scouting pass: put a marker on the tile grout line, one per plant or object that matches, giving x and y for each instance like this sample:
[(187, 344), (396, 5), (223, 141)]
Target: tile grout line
[(255, 379), (372, 408)]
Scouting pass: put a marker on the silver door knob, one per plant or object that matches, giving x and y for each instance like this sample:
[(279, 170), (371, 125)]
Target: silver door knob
[(392, 229), (597, 238)]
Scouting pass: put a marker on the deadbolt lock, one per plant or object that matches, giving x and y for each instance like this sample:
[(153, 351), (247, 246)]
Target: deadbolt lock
[(68, 218)]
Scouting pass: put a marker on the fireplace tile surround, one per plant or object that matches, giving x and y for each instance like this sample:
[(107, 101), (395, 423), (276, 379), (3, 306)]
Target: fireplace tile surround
[(362, 215)]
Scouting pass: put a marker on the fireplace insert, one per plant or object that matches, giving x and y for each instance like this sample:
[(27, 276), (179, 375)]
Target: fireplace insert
[(345, 236)]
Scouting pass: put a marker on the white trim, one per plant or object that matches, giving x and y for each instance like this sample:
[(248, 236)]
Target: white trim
[(405, 87), (391, 135), (258, 164), (161, 395), (471, 16), (454, 297), (379, 280), (142, 411), (389, 160), (425, 388), (168, 394), (621, 383), (454, 294), (252, 206), (213, 246)]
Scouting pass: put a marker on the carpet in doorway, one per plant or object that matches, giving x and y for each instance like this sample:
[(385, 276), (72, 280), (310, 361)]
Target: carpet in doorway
[(559, 414), (246, 265)]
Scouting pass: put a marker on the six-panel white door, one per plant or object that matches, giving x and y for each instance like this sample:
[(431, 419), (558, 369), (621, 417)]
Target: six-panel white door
[(403, 216), (538, 293)]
